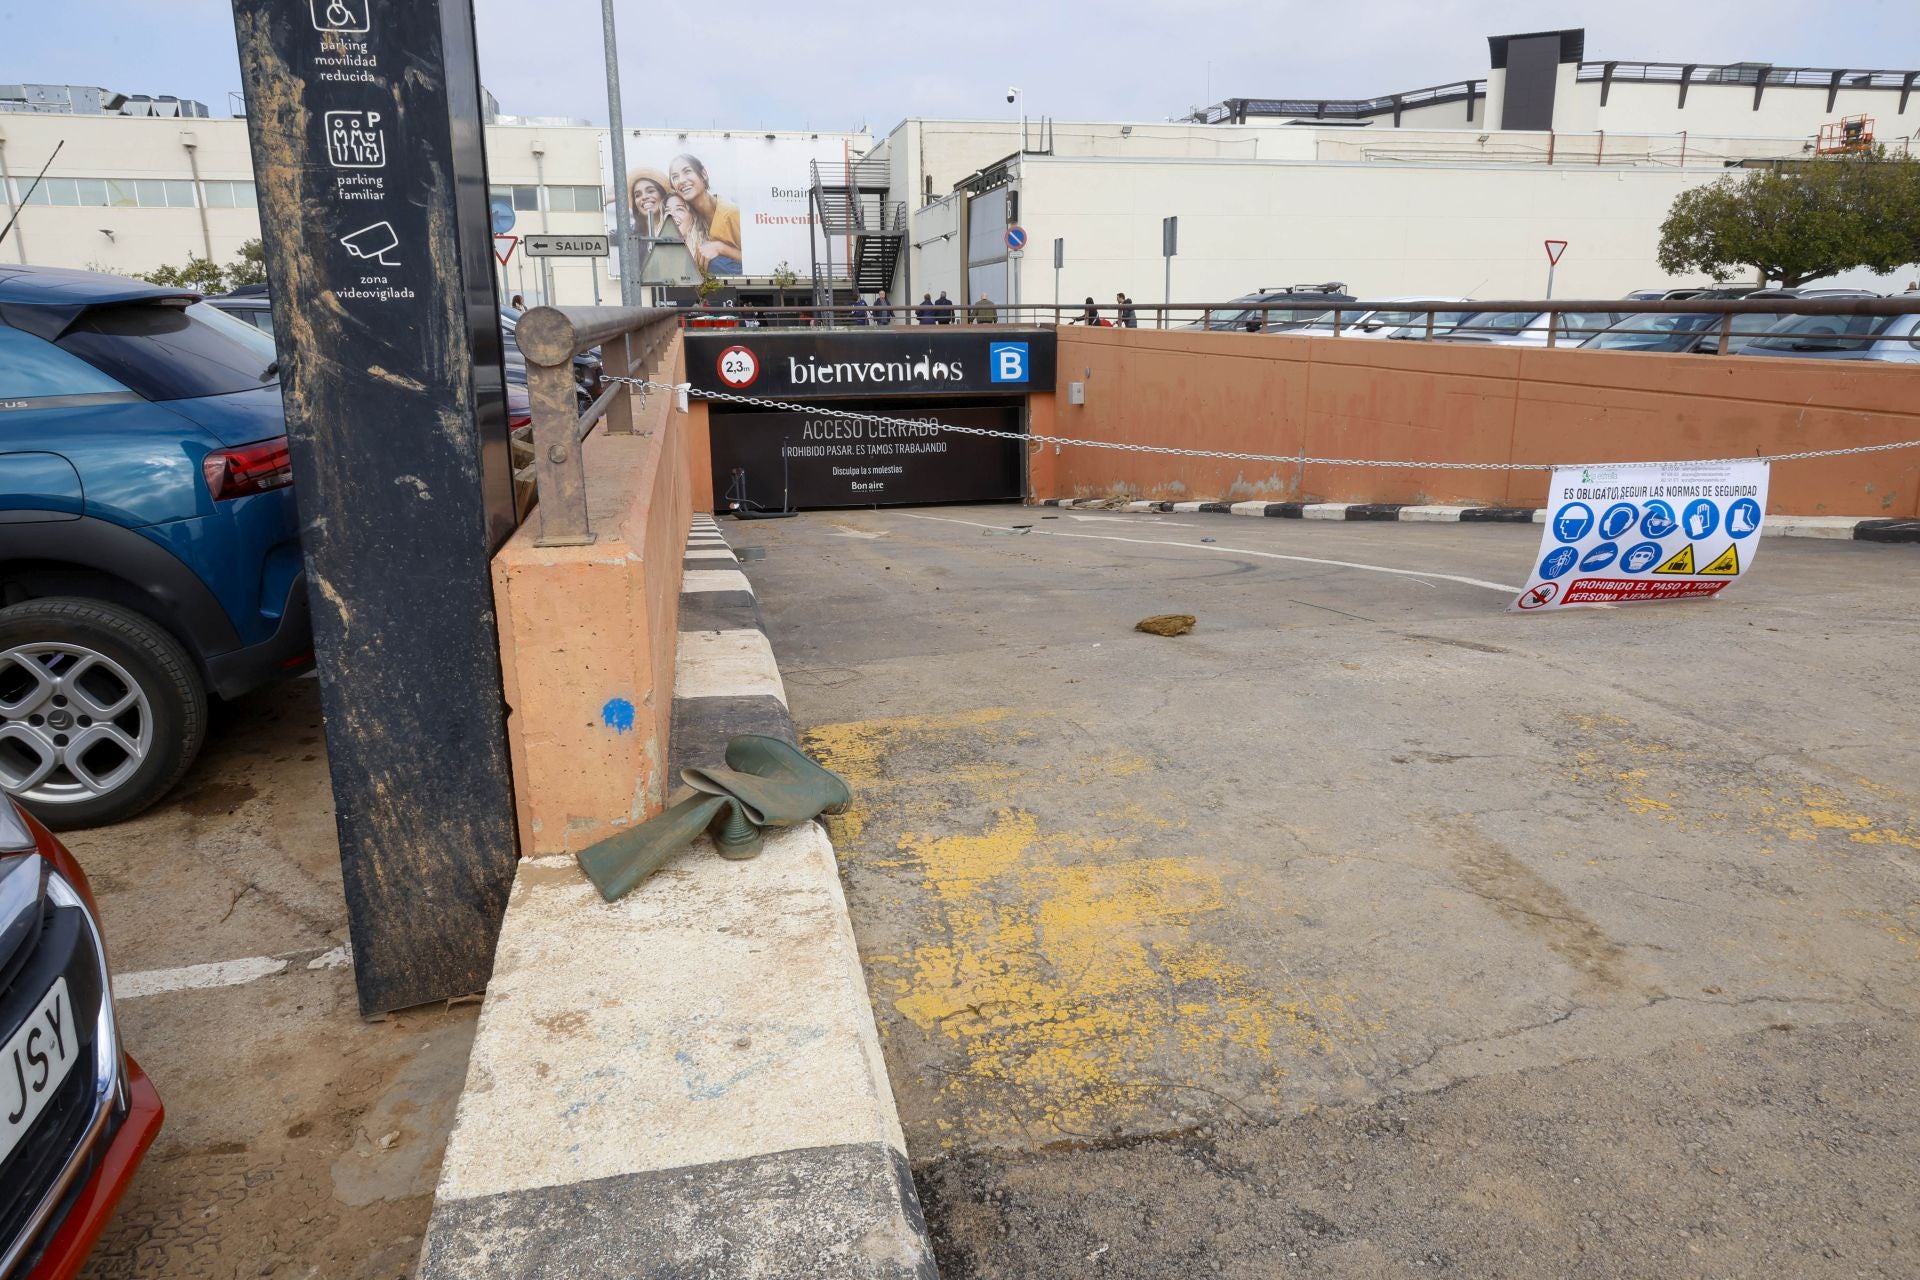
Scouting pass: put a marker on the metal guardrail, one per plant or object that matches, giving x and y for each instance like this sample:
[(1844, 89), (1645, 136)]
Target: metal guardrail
[(1443, 319), (631, 341)]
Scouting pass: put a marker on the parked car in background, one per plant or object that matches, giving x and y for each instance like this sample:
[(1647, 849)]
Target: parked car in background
[(149, 543), (1682, 332), (249, 302), (1891, 339), (1529, 328), (76, 1111), (1387, 322), (1837, 293), (1285, 309)]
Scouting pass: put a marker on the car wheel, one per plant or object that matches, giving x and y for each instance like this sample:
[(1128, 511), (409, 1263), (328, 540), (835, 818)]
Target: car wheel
[(101, 710)]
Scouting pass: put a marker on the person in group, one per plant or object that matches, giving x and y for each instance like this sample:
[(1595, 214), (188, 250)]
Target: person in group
[(687, 226), (882, 310), (518, 304), (860, 314), (718, 250), (1129, 318), (647, 192), (926, 313), (1090, 316), (943, 309), (983, 311)]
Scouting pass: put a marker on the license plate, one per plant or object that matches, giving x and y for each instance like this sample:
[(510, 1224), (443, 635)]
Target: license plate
[(34, 1062)]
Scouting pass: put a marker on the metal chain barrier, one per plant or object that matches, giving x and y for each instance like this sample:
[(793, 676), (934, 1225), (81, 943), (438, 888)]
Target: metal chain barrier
[(1297, 459)]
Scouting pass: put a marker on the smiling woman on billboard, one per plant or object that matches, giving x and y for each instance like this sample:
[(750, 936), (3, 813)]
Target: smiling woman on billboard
[(716, 244)]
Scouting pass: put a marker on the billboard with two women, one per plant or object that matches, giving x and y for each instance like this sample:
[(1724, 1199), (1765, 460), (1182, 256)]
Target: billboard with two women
[(707, 203)]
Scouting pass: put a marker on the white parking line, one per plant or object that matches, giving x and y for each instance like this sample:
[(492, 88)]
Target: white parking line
[(222, 973), (1243, 551)]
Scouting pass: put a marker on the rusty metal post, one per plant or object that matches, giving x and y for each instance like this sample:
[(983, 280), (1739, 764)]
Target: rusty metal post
[(557, 457), (617, 358), (1726, 332), (373, 206)]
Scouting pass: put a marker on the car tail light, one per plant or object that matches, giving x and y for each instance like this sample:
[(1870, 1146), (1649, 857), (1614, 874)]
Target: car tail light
[(253, 468)]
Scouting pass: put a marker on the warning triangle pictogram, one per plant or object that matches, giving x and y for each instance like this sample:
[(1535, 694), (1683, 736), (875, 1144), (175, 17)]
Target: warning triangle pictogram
[(1680, 562), (1727, 563)]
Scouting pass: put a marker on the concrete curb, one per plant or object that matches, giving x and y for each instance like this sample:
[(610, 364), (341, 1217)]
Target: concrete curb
[(1857, 528), (687, 1082)]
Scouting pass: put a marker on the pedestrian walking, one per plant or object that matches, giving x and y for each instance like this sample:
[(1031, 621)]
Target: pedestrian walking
[(859, 310), (518, 304), (925, 313), (882, 311), (983, 312), (1129, 318), (1090, 316), (943, 309)]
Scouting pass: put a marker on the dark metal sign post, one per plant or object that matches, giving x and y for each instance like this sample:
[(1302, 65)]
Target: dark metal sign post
[(366, 130)]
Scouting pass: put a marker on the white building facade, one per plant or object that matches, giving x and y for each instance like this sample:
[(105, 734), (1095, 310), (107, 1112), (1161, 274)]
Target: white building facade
[(1444, 191)]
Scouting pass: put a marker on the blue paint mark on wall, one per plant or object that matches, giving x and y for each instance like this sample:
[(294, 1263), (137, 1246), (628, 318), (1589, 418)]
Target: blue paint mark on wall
[(618, 714)]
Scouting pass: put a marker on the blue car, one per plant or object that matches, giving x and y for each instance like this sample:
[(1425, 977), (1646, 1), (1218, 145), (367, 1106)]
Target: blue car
[(149, 544)]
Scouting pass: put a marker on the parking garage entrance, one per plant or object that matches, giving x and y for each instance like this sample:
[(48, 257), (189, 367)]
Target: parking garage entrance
[(822, 453)]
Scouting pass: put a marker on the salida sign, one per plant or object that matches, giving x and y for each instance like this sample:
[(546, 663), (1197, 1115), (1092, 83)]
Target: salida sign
[(872, 362)]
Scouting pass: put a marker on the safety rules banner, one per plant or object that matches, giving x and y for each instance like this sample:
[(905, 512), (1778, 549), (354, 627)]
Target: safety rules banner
[(1633, 532)]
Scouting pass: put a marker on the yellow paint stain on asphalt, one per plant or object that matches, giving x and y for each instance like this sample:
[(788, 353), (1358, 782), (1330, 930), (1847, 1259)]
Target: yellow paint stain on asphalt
[(1075, 990), (1058, 979), (1794, 811), (861, 751)]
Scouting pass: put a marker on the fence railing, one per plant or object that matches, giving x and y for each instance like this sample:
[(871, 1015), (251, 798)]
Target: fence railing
[(1718, 324), (632, 340)]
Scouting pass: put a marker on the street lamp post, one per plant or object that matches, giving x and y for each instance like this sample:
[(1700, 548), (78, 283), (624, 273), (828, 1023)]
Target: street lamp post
[(622, 214)]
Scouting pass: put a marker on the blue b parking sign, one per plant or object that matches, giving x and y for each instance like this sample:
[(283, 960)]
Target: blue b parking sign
[(1007, 361)]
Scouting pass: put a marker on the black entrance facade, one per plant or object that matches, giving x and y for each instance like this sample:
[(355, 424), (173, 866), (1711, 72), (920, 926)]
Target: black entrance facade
[(812, 446)]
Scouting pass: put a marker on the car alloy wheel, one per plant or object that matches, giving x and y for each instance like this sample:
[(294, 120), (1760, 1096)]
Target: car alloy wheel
[(74, 724)]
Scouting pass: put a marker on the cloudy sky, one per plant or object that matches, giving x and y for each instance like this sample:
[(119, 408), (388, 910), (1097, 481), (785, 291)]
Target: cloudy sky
[(788, 65)]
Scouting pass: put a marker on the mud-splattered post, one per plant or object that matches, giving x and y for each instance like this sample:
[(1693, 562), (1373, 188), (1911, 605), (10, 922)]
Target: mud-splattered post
[(366, 128)]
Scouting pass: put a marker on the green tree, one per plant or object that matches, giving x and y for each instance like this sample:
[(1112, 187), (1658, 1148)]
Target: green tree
[(250, 267), (208, 276), (1800, 221), (199, 273)]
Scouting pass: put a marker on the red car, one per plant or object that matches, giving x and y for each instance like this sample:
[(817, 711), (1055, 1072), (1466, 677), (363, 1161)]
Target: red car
[(76, 1113)]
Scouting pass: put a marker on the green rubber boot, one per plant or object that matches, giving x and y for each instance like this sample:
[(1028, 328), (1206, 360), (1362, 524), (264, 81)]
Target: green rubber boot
[(619, 863), (766, 783)]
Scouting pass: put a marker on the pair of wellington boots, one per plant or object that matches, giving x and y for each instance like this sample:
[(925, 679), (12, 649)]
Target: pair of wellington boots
[(766, 783)]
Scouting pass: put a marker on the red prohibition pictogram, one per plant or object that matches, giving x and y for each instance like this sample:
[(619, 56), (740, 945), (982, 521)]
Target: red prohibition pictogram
[(739, 367), (1536, 597)]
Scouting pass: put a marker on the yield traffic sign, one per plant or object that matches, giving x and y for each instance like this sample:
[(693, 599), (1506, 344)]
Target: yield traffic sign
[(503, 254)]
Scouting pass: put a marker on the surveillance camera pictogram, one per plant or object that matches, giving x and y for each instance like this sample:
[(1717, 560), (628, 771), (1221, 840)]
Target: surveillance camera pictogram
[(373, 242)]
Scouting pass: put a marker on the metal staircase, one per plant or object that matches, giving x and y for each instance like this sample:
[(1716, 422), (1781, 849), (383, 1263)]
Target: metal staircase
[(850, 202)]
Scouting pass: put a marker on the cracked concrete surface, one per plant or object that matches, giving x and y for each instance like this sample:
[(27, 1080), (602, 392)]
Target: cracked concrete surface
[(301, 1140), (1494, 917)]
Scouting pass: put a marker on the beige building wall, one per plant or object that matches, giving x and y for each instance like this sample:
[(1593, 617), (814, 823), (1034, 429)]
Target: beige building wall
[(140, 239)]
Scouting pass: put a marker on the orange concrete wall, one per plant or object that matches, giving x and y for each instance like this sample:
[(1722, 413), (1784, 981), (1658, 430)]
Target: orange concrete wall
[(587, 638), (1349, 398)]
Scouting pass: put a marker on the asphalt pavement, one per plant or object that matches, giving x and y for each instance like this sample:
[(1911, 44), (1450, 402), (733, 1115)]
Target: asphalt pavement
[(1370, 929)]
